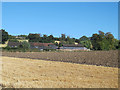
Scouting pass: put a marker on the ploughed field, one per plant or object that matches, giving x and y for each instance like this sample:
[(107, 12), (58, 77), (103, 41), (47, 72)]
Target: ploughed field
[(30, 73), (99, 58)]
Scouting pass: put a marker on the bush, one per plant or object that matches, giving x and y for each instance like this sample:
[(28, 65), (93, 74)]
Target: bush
[(24, 45), (13, 40), (6, 48)]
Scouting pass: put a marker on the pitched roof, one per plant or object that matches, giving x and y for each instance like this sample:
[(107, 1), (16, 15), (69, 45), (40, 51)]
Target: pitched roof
[(72, 45), (40, 44), (14, 43)]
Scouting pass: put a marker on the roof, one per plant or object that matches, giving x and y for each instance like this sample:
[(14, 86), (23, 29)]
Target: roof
[(14, 43), (40, 44), (74, 48), (73, 45)]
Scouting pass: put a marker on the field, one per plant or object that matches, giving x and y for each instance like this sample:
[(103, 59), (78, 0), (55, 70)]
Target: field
[(99, 58), (31, 73)]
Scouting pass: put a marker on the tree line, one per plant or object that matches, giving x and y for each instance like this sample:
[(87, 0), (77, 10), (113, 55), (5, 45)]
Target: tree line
[(98, 41)]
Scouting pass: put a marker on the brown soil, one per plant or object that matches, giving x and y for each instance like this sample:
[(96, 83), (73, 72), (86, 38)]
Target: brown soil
[(100, 58), (30, 73)]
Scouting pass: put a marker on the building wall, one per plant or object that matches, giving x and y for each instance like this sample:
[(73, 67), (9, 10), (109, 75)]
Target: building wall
[(74, 49), (43, 47)]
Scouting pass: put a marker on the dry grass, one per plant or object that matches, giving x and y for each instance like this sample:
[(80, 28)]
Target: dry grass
[(23, 40), (4, 45), (24, 73)]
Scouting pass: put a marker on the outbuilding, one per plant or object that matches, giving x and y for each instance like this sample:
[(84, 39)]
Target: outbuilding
[(14, 44), (42, 46), (71, 47)]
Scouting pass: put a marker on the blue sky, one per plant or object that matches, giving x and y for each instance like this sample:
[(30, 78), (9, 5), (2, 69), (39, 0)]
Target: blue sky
[(74, 19)]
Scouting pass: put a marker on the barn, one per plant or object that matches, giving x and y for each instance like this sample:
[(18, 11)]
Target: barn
[(14, 44), (42, 46), (71, 47)]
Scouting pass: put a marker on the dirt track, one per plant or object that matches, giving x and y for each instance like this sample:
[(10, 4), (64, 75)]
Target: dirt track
[(29, 73), (100, 58)]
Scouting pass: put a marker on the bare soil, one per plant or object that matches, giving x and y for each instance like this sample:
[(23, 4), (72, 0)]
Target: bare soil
[(99, 58)]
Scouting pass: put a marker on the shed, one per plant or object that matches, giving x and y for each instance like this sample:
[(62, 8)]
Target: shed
[(73, 47), (42, 45), (14, 44)]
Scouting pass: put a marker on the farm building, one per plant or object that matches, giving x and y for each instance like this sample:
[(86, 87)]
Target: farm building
[(33, 45), (14, 44), (73, 47), (42, 46)]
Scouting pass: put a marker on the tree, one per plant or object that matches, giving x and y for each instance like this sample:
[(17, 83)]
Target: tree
[(63, 37), (25, 36), (45, 39), (11, 37), (25, 45), (83, 38), (63, 42), (118, 45), (13, 40), (111, 40), (69, 40), (103, 41), (56, 38), (95, 39), (4, 36), (87, 44), (34, 37), (44, 36), (50, 37), (77, 40)]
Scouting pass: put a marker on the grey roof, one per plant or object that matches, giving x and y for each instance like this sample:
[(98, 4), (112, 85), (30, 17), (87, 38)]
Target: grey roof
[(14, 43), (75, 48), (72, 45), (43, 45), (40, 44)]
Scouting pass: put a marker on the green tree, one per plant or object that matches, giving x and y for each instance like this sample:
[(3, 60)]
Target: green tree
[(111, 40), (45, 36), (87, 44), (118, 45), (25, 36), (50, 37), (83, 38), (70, 40), (11, 37), (63, 42), (63, 37), (25, 45), (13, 40), (34, 37), (95, 39), (4, 36), (45, 39), (56, 38), (77, 40), (103, 41)]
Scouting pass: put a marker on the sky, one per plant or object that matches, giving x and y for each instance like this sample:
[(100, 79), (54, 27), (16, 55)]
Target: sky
[(75, 19)]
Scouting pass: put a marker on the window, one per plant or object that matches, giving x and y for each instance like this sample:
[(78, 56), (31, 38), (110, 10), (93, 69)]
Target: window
[(36, 46)]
